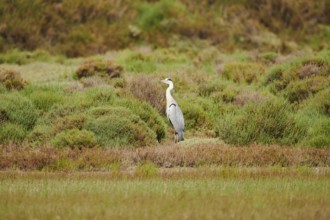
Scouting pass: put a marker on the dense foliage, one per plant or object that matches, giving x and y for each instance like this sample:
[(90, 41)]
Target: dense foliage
[(240, 75)]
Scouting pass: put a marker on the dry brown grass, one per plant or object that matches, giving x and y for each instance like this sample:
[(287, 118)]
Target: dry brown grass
[(212, 154), (102, 68), (11, 79), (149, 89)]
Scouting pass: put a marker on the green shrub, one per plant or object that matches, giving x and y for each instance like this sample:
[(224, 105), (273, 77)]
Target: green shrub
[(317, 126), (320, 102), (147, 114), (11, 79), (10, 132), (267, 122), (45, 97), (74, 138), (18, 110), (81, 101), (118, 126), (243, 72), (300, 78), (194, 115), (23, 57), (322, 140), (94, 97)]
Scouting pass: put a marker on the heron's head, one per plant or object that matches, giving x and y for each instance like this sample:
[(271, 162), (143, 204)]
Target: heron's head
[(168, 81)]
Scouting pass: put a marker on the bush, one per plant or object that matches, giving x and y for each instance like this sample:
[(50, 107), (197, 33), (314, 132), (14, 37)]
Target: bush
[(17, 109), (246, 97), (102, 68), (320, 102), (299, 79), (11, 133), (317, 126), (194, 115), (24, 57), (75, 121), (11, 79), (74, 138), (118, 126), (148, 115), (243, 72), (45, 97), (268, 122), (293, 15), (150, 90)]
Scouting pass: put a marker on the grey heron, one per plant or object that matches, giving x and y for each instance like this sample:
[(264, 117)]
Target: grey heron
[(173, 112)]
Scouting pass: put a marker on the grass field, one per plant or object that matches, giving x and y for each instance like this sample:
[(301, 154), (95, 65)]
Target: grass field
[(209, 193)]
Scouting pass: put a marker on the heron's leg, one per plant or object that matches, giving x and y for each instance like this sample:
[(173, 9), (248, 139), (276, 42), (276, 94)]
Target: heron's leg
[(176, 138)]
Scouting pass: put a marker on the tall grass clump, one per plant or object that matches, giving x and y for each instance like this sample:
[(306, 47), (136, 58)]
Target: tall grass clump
[(268, 122)]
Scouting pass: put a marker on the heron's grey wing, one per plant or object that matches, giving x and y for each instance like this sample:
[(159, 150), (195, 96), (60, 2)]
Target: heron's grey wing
[(176, 118)]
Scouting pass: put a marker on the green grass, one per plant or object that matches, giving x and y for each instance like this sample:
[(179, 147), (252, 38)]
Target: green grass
[(225, 194)]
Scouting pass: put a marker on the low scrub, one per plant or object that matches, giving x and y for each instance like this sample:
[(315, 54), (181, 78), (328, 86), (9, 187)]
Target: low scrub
[(317, 127), (11, 133), (44, 97), (267, 122), (103, 68), (299, 79), (196, 118), (148, 115), (24, 57), (74, 138), (243, 72), (148, 89), (118, 126), (16, 109)]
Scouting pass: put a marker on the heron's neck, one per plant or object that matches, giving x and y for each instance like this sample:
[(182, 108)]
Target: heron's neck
[(169, 97)]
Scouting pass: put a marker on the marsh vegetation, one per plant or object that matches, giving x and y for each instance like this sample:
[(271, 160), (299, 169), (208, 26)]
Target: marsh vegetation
[(82, 109)]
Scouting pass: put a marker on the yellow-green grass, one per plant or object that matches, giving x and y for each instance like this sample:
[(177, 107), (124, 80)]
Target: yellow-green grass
[(239, 193)]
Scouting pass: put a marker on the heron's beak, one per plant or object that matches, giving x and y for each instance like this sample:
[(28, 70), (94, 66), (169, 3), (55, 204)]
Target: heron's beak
[(163, 81)]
